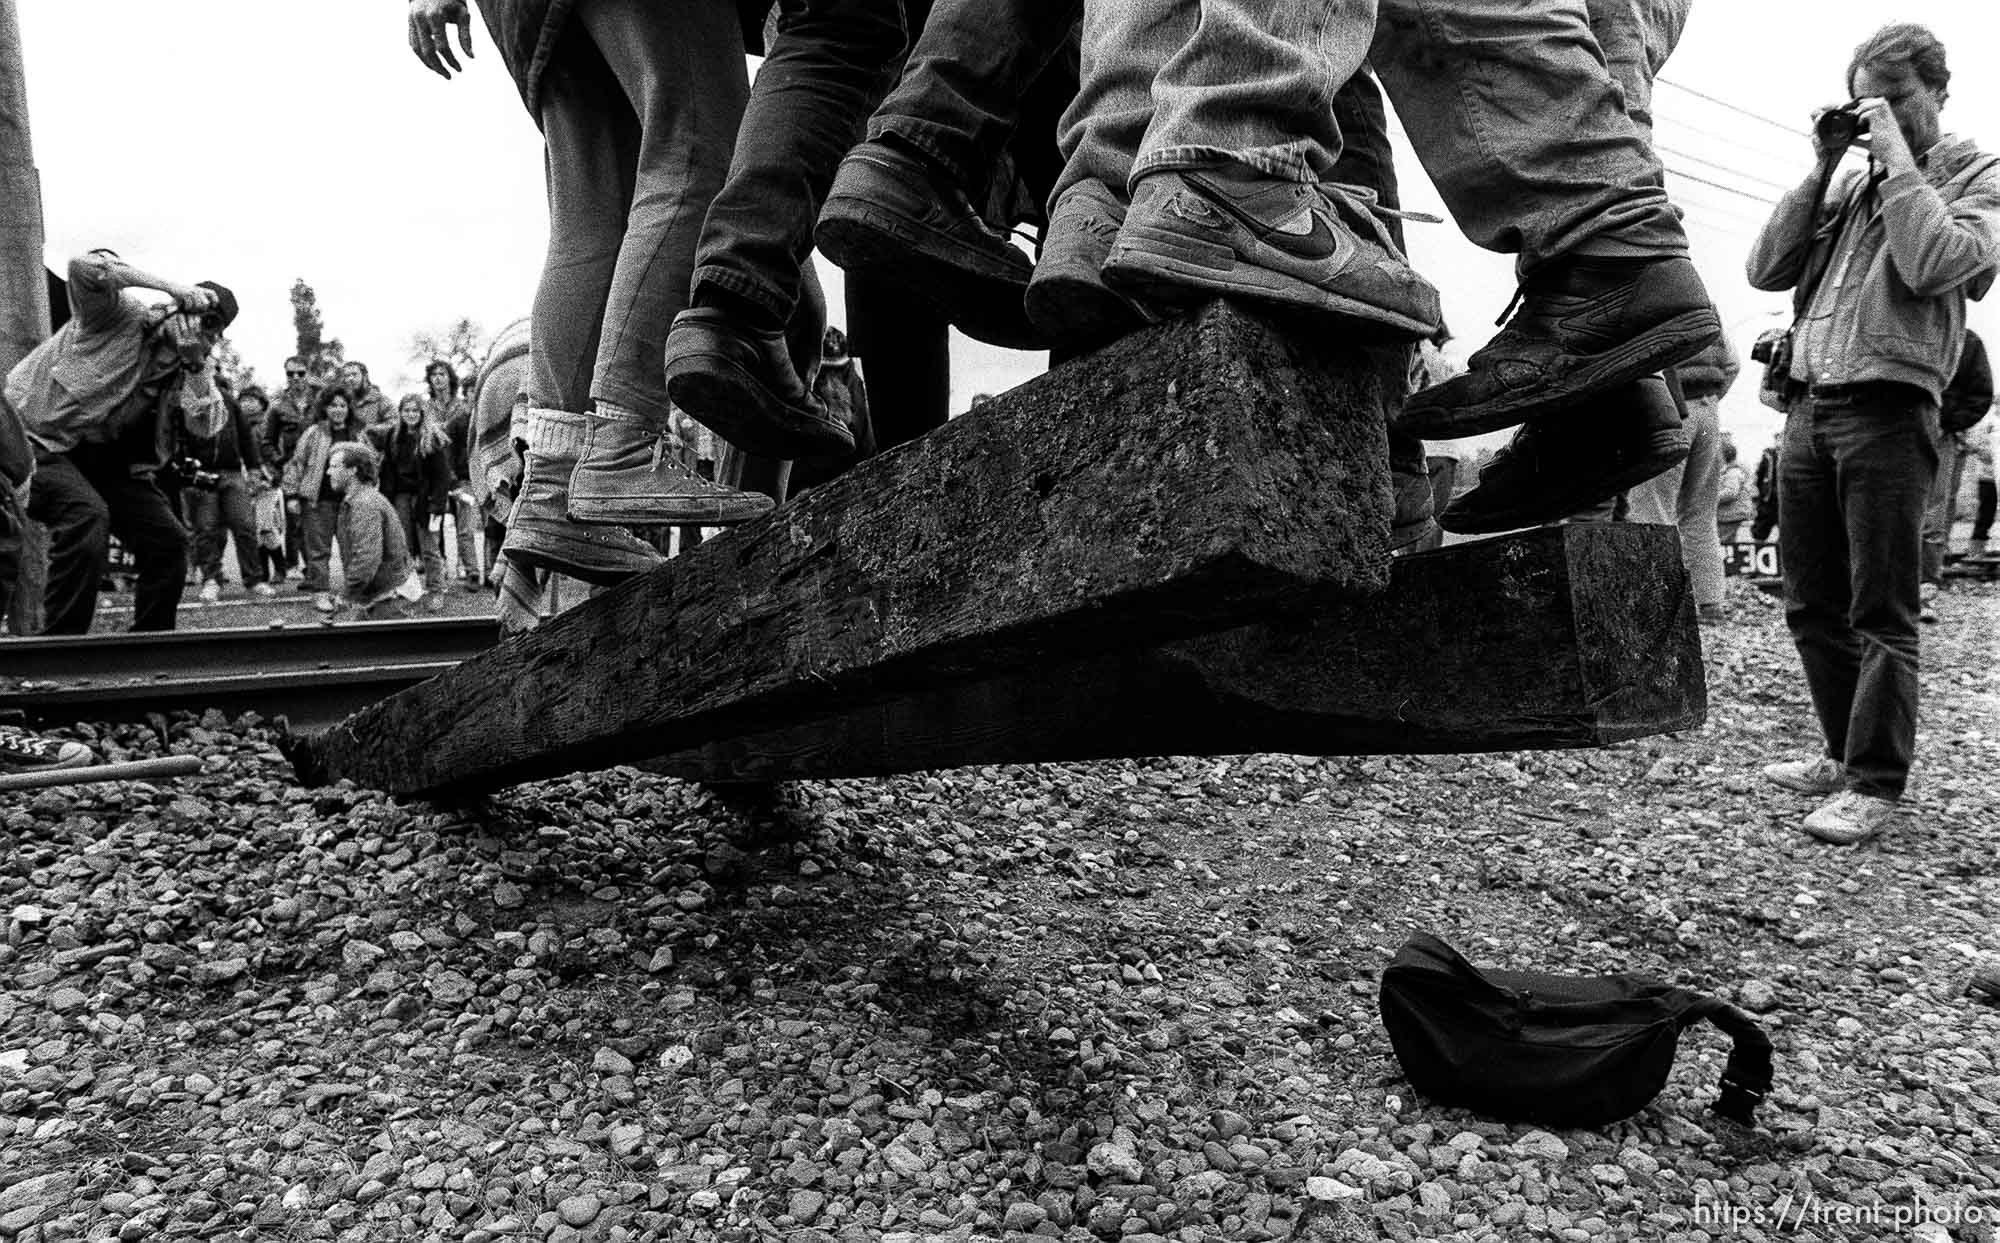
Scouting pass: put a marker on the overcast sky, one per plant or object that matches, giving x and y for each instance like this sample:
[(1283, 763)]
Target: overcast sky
[(257, 141)]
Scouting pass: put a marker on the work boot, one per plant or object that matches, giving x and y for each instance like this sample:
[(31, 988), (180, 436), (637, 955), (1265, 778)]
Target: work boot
[(1194, 234), (1558, 465), (541, 534), (631, 473), (1067, 299), (1584, 328), (894, 216), (739, 382)]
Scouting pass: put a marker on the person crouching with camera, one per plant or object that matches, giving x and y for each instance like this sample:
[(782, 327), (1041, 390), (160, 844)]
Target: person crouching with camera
[(105, 400), (1881, 259)]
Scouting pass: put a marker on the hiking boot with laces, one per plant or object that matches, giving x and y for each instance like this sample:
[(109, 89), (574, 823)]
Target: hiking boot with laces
[(23, 752), (895, 217), (633, 473), (1554, 467), (1583, 327), (740, 383), (1850, 818), (1193, 234), (1820, 775)]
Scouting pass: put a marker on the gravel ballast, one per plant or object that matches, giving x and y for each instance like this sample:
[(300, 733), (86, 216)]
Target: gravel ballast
[(1130, 1000)]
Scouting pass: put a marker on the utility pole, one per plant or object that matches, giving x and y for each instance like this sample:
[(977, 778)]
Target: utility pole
[(24, 291)]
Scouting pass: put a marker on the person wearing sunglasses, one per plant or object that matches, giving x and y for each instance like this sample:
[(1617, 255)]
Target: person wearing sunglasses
[(290, 414)]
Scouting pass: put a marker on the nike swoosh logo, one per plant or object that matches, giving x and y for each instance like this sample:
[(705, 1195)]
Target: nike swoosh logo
[(1300, 225)]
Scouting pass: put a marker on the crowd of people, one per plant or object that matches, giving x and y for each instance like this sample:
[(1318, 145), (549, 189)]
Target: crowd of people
[(905, 140), (119, 427)]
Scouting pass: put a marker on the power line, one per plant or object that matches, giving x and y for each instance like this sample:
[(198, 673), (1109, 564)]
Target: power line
[(1675, 121), (1736, 108), (1703, 181), (1665, 150)]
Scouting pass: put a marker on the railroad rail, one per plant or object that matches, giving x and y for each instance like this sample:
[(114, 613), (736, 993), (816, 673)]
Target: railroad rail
[(313, 675)]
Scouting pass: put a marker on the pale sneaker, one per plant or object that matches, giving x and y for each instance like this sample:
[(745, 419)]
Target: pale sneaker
[(324, 601), (1820, 775), (263, 591), (211, 591), (1850, 817)]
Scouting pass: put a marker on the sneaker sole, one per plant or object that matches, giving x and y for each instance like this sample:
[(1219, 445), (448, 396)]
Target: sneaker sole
[(1834, 837), (1663, 451), (1168, 267), (712, 388), (981, 297), (1675, 340), (626, 511), (537, 545)]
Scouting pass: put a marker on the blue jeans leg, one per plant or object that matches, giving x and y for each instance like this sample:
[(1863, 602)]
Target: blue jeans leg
[(1253, 84), (79, 527), (1123, 46), (831, 64), (639, 111), (1476, 85), (1853, 481), (1941, 507), (961, 91)]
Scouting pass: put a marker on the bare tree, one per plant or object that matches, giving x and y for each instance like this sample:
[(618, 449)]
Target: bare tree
[(461, 344)]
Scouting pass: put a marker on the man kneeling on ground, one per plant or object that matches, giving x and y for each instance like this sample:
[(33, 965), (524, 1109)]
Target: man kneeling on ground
[(379, 579)]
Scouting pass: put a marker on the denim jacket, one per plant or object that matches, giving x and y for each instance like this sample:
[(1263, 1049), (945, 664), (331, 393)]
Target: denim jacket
[(1902, 256)]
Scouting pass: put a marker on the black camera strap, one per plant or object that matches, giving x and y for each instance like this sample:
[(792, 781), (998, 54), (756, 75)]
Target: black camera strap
[(1821, 245)]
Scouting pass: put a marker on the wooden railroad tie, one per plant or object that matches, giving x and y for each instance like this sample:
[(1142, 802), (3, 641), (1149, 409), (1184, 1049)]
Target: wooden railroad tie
[(1116, 558)]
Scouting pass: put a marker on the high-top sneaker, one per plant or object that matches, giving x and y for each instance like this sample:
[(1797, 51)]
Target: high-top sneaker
[(540, 532), (632, 473)]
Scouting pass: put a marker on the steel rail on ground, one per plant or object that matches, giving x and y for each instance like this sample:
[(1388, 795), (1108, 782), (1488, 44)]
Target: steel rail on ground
[(312, 675)]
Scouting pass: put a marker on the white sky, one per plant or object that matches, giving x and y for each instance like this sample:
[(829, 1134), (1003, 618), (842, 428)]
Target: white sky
[(255, 141)]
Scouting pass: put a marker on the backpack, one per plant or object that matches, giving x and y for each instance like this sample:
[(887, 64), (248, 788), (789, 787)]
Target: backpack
[(1558, 1050)]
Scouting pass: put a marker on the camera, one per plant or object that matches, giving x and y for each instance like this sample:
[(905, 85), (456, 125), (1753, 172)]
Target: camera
[(1839, 127), (188, 472), (1766, 347)]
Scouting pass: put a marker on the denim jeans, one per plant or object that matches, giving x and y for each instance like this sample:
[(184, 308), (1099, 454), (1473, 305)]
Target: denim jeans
[(82, 497), (1941, 507), (961, 92), (1852, 484), (639, 108), (1684, 497), (227, 512), (320, 519), (832, 62), (420, 536), (1535, 119), (1166, 84)]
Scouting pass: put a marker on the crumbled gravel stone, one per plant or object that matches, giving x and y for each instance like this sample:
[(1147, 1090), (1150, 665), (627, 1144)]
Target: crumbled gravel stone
[(1132, 1000)]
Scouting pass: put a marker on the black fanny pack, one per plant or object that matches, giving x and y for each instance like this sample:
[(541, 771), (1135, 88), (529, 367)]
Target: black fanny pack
[(1560, 1050)]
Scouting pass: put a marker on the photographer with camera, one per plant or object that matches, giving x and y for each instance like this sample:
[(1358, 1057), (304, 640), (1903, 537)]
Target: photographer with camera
[(103, 401), (1882, 259)]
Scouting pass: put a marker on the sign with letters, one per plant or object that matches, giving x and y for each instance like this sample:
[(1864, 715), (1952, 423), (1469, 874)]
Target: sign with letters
[(1749, 559)]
